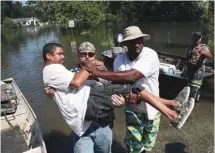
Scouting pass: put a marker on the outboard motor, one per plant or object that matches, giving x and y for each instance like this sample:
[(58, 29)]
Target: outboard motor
[(118, 48), (118, 39)]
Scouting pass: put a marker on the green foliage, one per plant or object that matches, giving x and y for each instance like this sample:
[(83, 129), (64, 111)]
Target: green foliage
[(86, 14), (89, 14), (6, 7), (107, 43), (8, 29), (138, 11), (15, 9), (8, 25), (207, 20)]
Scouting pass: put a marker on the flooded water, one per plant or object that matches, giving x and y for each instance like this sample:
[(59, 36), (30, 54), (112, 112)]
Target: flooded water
[(21, 59)]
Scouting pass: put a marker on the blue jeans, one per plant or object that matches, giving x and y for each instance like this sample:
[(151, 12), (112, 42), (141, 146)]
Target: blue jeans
[(96, 139)]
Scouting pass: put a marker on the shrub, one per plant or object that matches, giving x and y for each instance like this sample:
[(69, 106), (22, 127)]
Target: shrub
[(8, 25)]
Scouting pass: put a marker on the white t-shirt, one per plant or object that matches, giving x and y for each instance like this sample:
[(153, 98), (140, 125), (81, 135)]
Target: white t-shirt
[(72, 102), (148, 64)]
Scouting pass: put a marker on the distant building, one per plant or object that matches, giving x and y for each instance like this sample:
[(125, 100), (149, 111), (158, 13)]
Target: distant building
[(28, 21)]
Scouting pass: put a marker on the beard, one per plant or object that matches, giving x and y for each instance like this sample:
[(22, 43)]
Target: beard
[(132, 56)]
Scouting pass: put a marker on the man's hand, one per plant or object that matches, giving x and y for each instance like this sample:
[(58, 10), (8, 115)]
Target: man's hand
[(134, 98), (94, 67), (203, 52), (98, 63), (117, 100), (101, 68), (95, 62), (196, 51), (49, 92)]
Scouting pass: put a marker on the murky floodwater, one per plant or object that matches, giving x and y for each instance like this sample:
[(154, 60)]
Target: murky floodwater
[(22, 60)]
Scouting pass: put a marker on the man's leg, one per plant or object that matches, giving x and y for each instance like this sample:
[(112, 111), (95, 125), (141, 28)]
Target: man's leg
[(177, 118), (84, 145), (81, 143), (150, 132), (141, 133), (153, 100), (195, 83), (97, 139), (161, 104), (195, 92), (198, 95), (176, 104), (149, 98), (134, 130), (180, 99), (156, 102), (103, 140)]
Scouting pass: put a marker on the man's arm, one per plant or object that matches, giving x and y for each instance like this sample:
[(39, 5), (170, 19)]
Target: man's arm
[(150, 99), (77, 81), (79, 78), (206, 52), (129, 77), (143, 67)]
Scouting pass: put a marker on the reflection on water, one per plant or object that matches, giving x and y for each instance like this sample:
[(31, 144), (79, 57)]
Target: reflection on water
[(22, 59)]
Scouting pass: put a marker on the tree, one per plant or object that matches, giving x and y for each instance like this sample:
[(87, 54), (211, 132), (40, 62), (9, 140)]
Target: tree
[(15, 9), (207, 20), (6, 7), (86, 13)]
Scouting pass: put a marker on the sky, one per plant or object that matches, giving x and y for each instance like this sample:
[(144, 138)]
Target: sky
[(22, 1)]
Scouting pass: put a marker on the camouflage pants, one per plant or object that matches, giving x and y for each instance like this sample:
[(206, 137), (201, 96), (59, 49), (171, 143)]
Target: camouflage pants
[(195, 80), (141, 133)]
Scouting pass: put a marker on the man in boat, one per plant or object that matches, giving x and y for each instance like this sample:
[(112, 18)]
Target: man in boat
[(194, 68), (140, 66)]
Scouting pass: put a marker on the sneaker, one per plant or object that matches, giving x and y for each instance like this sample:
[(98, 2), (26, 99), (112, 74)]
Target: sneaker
[(184, 113), (182, 98)]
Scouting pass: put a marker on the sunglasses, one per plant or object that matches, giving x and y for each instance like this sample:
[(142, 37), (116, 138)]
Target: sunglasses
[(84, 54)]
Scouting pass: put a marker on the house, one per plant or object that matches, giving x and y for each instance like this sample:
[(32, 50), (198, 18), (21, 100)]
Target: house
[(28, 21)]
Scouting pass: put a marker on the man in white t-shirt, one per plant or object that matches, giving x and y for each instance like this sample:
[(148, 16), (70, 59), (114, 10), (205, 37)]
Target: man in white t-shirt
[(140, 66), (68, 87), (144, 60)]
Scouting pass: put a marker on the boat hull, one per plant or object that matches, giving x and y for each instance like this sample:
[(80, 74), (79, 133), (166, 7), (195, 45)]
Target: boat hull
[(171, 59), (21, 129)]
